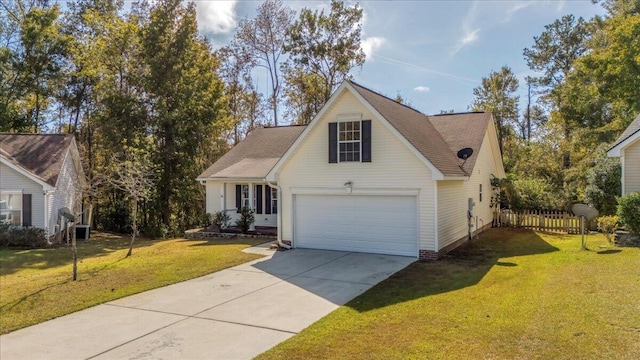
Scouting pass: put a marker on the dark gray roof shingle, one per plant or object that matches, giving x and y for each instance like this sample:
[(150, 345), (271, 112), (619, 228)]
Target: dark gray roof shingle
[(437, 138), (256, 155), (42, 155)]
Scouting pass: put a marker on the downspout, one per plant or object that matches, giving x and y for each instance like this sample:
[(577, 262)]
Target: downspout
[(279, 216)]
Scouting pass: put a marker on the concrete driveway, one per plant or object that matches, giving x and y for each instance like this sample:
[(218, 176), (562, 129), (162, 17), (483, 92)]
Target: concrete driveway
[(235, 313)]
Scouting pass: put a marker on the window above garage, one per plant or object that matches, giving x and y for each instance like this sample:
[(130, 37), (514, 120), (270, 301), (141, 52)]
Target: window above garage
[(350, 141)]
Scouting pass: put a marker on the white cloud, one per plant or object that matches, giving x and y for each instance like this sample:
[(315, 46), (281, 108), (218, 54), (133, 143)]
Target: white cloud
[(421, 88), (371, 44), (517, 7), (217, 17), (470, 35), (469, 38)]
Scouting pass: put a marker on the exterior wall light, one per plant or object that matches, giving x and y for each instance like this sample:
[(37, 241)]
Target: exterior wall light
[(348, 186)]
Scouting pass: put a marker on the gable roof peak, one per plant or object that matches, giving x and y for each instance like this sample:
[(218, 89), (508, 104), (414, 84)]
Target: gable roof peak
[(353, 83), (41, 155)]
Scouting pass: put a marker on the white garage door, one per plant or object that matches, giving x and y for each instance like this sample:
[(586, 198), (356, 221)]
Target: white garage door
[(375, 224)]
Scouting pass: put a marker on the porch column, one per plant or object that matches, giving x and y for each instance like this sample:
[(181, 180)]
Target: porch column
[(251, 195), (223, 193)]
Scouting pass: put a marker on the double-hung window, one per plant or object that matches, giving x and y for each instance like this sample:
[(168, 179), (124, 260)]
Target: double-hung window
[(245, 196), (349, 145), (11, 207)]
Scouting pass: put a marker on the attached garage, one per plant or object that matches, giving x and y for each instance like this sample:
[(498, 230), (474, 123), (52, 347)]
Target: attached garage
[(359, 223)]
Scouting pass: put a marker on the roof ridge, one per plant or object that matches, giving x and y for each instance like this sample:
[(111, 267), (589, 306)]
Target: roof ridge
[(386, 97), (460, 113), (282, 126)]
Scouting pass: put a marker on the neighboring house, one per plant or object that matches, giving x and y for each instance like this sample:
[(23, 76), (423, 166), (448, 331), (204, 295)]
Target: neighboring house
[(627, 148), (367, 174), (39, 174)]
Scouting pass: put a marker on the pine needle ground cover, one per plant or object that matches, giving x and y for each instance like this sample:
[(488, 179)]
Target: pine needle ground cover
[(36, 285), (511, 295)]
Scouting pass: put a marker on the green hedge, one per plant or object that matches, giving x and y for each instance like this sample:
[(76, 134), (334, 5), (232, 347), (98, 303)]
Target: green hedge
[(629, 212), (24, 237)]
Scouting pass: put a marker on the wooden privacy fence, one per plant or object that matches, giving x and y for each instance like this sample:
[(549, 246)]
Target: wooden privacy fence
[(552, 221)]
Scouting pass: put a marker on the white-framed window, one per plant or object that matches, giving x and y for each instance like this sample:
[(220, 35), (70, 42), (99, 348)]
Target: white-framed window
[(11, 207), (245, 196), (274, 200), (349, 145)]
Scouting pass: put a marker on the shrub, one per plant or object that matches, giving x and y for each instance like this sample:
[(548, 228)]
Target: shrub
[(246, 219), (525, 194), (608, 225), (629, 212), (4, 234), (220, 219), (24, 237)]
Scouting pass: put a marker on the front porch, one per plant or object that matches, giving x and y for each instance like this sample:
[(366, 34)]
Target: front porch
[(232, 196)]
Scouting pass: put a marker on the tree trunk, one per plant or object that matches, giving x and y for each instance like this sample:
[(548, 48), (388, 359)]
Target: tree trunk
[(134, 228)]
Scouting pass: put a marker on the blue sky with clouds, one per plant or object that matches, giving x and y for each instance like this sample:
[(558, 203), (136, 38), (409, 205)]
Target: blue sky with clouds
[(432, 53)]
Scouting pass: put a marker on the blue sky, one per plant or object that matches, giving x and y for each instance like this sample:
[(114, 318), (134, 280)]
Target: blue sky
[(432, 53)]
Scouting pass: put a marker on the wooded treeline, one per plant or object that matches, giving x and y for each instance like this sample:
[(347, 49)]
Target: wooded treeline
[(586, 93), (141, 88)]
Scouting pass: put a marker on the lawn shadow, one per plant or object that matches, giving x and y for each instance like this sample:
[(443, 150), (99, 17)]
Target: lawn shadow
[(100, 244), (609, 251), (227, 241), (463, 267)]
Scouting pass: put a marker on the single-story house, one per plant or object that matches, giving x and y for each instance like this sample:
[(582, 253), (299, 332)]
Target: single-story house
[(368, 174), (627, 148), (39, 175)]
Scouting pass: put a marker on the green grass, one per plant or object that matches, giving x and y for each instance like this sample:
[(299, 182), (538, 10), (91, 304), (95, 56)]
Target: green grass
[(36, 285), (511, 295)]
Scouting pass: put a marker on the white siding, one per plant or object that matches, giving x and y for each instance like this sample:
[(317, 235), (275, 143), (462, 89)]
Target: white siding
[(393, 166), (63, 195), (452, 211), (453, 197), (214, 202), (632, 168), (13, 180)]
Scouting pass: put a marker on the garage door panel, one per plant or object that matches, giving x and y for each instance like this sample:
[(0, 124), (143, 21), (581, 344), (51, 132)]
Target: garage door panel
[(378, 224)]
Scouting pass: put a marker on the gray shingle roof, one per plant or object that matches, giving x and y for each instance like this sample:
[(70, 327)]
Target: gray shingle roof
[(256, 155), (42, 155), (461, 131), (437, 138), (632, 129)]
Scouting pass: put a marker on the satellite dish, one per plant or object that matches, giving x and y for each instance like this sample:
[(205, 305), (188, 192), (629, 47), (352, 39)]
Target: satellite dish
[(465, 153), (589, 212), (66, 213)]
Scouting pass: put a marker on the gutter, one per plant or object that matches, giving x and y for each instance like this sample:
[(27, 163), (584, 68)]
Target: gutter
[(279, 216)]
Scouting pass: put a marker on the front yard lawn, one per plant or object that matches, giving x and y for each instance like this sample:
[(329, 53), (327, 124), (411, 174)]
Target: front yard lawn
[(511, 295), (36, 285)]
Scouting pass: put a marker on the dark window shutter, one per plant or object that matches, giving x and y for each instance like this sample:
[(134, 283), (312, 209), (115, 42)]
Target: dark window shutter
[(26, 210), (238, 198), (366, 140), (333, 142), (258, 199), (267, 199)]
